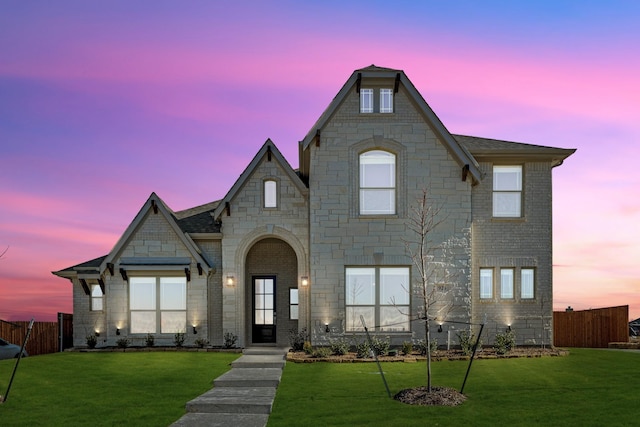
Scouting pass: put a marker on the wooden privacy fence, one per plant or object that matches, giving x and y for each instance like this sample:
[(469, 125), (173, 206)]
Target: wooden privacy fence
[(46, 337), (591, 328)]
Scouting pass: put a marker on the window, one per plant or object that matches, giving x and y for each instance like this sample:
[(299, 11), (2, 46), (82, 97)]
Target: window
[(386, 101), (380, 296), (507, 191), (366, 100), (526, 283), (486, 283), (293, 303), (377, 183), (270, 194), (146, 294), (506, 283), (96, 298)]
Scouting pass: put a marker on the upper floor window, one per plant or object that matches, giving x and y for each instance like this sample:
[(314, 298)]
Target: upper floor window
[(486, 283), (507, 191), (380, 295), (270, 194), (377, 183), (96, 298), (157, 301), (386, 100), (527, 283), (368, 100)]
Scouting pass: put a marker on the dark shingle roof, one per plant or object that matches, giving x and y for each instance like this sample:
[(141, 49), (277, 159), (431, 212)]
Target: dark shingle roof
[(488, 147)]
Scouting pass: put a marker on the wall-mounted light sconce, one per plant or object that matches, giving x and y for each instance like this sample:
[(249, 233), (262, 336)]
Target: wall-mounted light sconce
[(117, 331), (304, 280), (326, 328), (194, 329), (508, 328), (97, 333), (440, 328), (230, 281)]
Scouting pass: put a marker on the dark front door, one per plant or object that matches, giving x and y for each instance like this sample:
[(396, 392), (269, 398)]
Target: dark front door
[(264, 309)]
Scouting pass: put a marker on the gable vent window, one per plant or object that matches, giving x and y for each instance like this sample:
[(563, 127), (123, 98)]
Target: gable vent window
[(383, 103), (270, 194), (366, 100)]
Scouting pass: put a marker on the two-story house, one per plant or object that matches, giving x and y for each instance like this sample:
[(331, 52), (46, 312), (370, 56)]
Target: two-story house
[(328, 245)]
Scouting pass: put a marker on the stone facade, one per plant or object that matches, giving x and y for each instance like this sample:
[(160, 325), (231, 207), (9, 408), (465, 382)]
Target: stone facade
[(306, 238)]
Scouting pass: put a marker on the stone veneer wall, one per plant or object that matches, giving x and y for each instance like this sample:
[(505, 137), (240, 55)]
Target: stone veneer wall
[(341, 237), (249, 223)]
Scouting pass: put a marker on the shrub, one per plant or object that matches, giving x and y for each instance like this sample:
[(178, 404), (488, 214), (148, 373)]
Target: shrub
[(467, 340), (380, 345), (363, 350), (178, 339), (122, 343), (339, 347), (307, 347), (321, 352), (505, 342), (201, 342), (421, 346), (92, 340), (407, 348), (230, 340), (298, 338), (149, 340)]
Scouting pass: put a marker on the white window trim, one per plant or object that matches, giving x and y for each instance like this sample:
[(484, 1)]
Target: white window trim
[(514, 194), (523, 295), (270, 193), (390, 191), (162, 309), (486, 289), (95, 298), (377, 304), (366, 101), (507, 276)]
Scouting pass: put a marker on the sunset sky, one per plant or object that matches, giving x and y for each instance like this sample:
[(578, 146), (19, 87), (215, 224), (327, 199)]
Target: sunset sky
[(102, 103)]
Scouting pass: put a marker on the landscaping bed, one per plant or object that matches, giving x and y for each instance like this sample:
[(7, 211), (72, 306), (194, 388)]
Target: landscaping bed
[(485, 353)]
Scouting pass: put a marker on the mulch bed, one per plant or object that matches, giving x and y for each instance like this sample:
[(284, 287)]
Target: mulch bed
[(485, 353), (439, 396)]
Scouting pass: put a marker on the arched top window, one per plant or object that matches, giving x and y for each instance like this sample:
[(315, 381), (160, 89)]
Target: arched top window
[(270, 194), (377, 183)]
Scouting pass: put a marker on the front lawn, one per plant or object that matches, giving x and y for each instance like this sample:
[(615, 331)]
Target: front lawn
[(107, 389), (588, 388)]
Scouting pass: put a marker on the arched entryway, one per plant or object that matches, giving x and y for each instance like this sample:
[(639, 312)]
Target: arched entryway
[(271, 292)]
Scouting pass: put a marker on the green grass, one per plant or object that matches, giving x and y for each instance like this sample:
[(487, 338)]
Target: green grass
[(106, 389), (587, 388)]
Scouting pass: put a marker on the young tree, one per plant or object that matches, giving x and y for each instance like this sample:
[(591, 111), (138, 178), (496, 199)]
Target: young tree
[(437, 264)]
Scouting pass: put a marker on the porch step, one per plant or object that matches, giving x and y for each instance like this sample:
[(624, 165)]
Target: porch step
[(234, 400), (249, 377), (259, 361), (266, 351)]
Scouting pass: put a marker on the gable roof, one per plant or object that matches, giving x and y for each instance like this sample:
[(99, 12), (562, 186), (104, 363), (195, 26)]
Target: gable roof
[(268, 148), (495, 149), (460, 153), (158, 206), (195, 220)]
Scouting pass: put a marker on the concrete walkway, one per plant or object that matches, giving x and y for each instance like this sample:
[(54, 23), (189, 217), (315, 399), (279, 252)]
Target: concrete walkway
[(242, 396)]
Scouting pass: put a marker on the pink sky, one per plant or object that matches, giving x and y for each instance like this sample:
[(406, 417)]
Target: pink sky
[(101, 104)]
